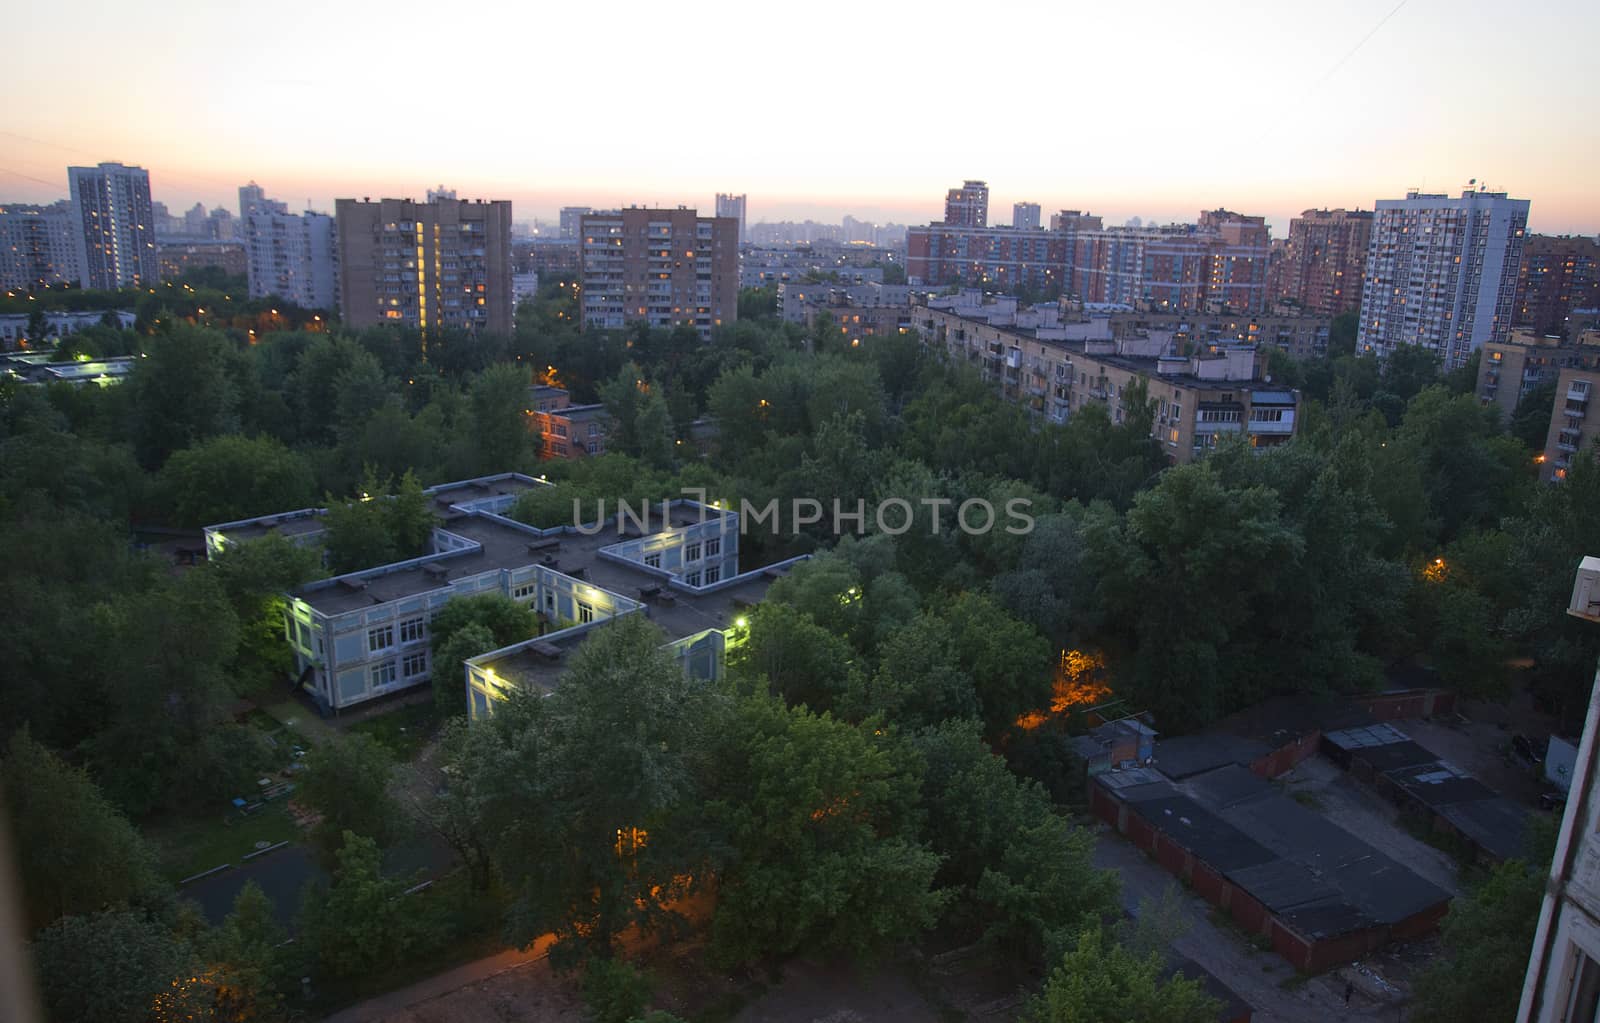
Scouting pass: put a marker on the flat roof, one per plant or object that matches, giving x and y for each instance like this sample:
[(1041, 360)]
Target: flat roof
[(1194, 754)]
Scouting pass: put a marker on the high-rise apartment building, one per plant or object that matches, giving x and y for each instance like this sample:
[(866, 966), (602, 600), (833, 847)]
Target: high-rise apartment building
[(730, 205), (426, 265), (253, 199), (571, 218), (667, 268), (38, 246), (1219, 263), (295, 258), (1558, 275), (1025, 216), (967, 206), (1442, 273), (1325, 260), (116, 236)]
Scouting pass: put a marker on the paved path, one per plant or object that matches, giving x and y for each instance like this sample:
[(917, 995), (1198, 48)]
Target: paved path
[(397, 1002)]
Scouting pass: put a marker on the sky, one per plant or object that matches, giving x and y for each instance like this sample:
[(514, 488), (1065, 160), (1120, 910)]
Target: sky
[(1154, 109)]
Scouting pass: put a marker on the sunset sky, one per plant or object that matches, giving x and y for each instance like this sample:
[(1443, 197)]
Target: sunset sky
[(1156, 109)]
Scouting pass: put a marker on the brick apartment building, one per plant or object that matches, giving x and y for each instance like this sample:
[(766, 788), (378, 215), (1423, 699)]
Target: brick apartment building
[(666, 268), (1324, 261)]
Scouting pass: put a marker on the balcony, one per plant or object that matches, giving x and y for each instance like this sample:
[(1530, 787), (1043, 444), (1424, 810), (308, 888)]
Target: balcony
[(1575, 409), (1577, 393)]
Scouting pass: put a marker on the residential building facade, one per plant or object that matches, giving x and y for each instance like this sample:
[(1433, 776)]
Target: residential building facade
[(565, 430), (178, 256), (1562, 984), (38, 246), (1025, 216), (115, 238), (1574, 422), (1324, 261), (967, 206), (435, 265), (1558, 275), (1511, 369), (1057, 369), (571, 222), (665, 268), (292, 256), (1442, 273)]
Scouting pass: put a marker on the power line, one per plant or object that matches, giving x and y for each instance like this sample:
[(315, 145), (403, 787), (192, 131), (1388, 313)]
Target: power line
[(29, 177)]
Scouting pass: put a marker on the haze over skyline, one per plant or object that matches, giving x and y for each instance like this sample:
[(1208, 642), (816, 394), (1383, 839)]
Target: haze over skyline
[(1156, 111)]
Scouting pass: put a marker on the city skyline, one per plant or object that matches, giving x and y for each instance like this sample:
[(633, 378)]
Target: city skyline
[(1319, 121)]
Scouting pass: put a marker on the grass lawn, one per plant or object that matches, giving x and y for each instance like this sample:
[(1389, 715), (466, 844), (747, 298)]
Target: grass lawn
[(189, 845), (402, 731)]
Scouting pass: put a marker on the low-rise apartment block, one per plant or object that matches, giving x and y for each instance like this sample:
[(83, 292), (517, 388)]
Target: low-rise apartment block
[(1055, 368), (365, 635), (1574, 422), (565, 430), (1509, 370), (665, 268)]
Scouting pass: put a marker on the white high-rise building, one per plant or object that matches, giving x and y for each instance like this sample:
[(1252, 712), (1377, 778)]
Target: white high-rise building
[(1025, 216), (1442, 273), (116, 236), (292, 257), (731, 205)]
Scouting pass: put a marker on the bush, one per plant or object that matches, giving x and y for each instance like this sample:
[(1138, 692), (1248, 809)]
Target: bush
[(614, 990)]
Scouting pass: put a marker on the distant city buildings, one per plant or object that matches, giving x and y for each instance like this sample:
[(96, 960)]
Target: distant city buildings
[(177, 257), (1442, 273), (445, 263), (294, 257), (1324, 261), (1218, 264), (730, 205), (115, 237), (811, 232), (967, 206), (666, 268), (1557, 275), (38, 246), (571, 221)]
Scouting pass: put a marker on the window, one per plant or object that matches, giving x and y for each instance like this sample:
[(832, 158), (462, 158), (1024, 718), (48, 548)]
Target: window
[(691, 552), (713, 573), (383, 675), (414, 664), (713, 546), (585, 612), (652, 560), (550, 602), (524, 592), (1584, 1000), (411, 630), (693, 579), (381, 638)]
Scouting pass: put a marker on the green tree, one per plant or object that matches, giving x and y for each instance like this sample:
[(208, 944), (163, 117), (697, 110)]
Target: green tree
[(1097, 981), (587, 818), (467, 627), (361, 923), (118, 967), (381, 524), (1486, 938), (499, 427), (821, 818), (1530, 423), (347, 782), (1008, 661), (799, 659), (246, 959), (184, 392), (75, 852), (448, 676), (228, 478)]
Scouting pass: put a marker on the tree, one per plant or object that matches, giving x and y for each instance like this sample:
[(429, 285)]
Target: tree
[(441, 797), (919, 681), (1486, 938), (117, 967), (184, 392), (347, 782), (500, 432), (588, 819), (223, 479), (1096, 982), (1008, 661), (1530, 423), (467, 627), (382, 524), (245, 957), (821, 819), (448, 675), (799, 659), (361, 923), (75, 852)]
